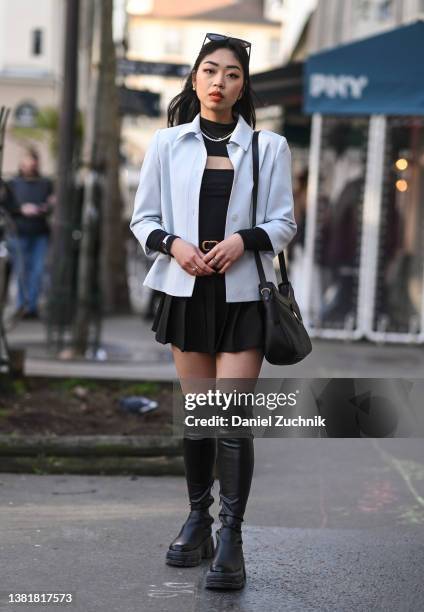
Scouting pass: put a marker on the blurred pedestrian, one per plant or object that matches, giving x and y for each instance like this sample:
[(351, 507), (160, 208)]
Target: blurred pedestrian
[(34, 196), (296, 248), (299, 195), (8, 209)]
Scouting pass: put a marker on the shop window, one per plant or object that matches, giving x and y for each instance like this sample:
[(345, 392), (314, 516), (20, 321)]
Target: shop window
[(173, 42), (37, 42), (399, 288), (374, 10), (385, 10), (274, 49), (363, 9), (338, 233)]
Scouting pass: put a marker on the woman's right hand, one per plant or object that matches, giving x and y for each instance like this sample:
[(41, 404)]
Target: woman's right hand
[(189, 257)]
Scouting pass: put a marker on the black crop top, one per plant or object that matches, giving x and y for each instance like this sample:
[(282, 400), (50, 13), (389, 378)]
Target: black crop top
[(214, 197)]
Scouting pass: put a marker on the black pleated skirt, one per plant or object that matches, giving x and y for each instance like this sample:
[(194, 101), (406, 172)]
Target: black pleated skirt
[(206, 323)]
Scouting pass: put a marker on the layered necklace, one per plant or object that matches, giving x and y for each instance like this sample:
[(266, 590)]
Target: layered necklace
[(210, 136)]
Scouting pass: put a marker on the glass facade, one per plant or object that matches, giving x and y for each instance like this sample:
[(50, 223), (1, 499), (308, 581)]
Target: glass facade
[(399, 289), (339, 223)]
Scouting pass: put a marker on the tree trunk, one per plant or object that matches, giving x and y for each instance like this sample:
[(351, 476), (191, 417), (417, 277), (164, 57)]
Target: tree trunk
[(102, 278), (113, 235)]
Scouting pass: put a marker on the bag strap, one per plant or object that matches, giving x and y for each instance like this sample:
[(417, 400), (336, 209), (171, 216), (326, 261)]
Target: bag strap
[(281, 258)]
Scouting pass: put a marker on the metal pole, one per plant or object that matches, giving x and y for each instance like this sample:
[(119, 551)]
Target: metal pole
[(4, 114), (311, 217), (371, 222), (59, 303)]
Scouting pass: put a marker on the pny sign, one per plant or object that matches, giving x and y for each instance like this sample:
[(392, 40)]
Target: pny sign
[(337, 86)]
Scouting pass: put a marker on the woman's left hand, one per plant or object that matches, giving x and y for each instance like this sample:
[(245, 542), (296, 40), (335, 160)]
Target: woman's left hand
[(225, 253)]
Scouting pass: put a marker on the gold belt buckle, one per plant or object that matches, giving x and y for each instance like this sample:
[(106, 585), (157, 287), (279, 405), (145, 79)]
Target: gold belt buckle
[(204, 242)]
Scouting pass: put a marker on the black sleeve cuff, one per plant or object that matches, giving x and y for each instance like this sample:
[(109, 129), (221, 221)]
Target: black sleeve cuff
[(169, 243), (256, 239), (155, 238), (154, 241)]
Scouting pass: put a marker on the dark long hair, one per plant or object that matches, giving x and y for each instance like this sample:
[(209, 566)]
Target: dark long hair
[(185, 106)]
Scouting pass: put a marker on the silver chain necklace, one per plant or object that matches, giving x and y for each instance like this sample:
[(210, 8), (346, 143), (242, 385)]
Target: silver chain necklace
[(213, 138), (216, 139)]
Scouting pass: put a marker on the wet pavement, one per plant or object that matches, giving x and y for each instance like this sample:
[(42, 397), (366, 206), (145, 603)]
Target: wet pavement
[(129, 351), (331, 524)]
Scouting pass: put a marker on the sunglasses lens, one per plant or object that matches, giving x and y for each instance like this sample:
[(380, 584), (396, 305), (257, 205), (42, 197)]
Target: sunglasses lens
[(246, 44), (216, 37), (242, 42)]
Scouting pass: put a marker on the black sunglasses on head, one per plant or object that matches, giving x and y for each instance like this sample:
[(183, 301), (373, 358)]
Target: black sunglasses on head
[(213, 37)]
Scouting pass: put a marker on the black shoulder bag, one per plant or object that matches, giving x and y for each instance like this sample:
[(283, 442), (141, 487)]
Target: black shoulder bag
[(286, 339)]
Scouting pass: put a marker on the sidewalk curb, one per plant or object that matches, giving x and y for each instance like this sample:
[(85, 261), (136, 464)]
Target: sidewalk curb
[(52, 454)]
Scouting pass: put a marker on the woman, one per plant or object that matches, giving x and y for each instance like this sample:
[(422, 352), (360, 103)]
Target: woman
[(192, 215)]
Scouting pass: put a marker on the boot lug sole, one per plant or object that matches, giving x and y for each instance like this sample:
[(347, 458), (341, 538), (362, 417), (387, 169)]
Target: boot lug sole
[(221, 580), (191, 558)]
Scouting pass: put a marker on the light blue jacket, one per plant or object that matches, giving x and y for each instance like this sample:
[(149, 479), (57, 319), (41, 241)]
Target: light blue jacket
[(168, 198)]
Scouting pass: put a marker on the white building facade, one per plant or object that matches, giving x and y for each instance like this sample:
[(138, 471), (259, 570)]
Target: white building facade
[(164, 32), (31, 44), (337, 22)]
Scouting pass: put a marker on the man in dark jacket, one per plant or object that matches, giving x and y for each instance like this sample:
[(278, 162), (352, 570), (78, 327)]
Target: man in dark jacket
[(8, 209), (34, 197)]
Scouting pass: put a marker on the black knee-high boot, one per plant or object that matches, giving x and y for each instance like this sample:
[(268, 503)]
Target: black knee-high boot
[(195, 541), (235, 469)]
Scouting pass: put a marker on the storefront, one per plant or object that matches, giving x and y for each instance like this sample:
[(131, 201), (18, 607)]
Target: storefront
[(362, 272), (283, 87)]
